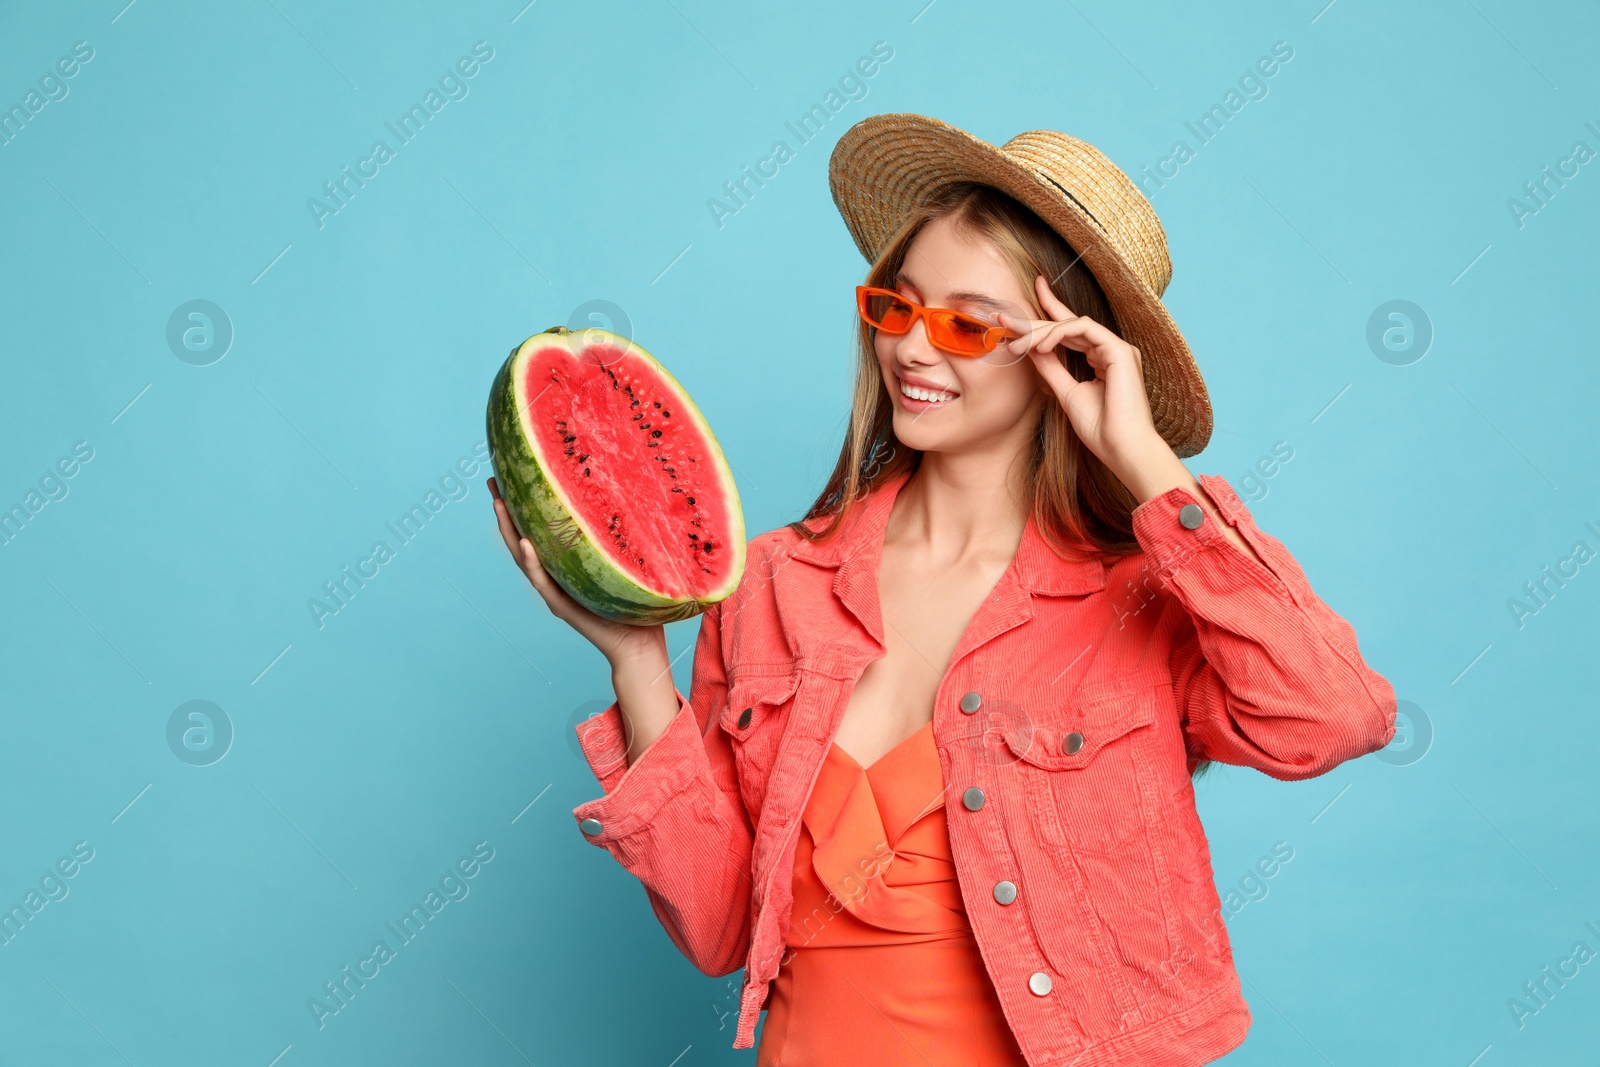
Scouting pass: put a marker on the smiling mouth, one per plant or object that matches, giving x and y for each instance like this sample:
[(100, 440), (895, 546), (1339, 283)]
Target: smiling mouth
[(933, 396)]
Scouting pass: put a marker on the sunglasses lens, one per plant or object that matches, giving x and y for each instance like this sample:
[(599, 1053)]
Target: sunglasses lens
[(886, 311), (959, 333)]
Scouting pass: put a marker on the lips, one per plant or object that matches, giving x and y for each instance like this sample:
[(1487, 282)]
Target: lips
[(926, 383), (910, 403)]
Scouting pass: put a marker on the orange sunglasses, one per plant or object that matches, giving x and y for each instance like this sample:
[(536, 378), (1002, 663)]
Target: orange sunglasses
[(952, 331)]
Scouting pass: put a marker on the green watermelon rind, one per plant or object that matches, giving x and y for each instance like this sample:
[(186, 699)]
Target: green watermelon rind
[(568, 550)]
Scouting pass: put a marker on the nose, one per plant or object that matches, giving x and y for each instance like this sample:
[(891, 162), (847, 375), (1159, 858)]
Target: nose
[(914, 343)]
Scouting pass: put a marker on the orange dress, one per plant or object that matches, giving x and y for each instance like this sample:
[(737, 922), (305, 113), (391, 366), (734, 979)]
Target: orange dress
[(881, 966)]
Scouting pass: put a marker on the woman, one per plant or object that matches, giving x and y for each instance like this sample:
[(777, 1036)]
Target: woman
[(932, 783)]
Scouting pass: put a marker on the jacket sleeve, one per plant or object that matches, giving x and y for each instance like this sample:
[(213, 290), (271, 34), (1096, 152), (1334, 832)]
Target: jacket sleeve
[(1266, 674), (674, 818)]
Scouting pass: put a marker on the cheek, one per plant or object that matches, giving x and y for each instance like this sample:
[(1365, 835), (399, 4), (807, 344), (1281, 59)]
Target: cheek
[(1030, 384), (1003, 397), (883, 344), (999, 387)]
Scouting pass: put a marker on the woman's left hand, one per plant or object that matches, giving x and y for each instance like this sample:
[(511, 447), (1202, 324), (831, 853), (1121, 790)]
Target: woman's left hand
[(1111, 414)]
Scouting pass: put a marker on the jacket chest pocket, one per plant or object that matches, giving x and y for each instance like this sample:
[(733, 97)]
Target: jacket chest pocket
[(754, 720), (1085, 768)]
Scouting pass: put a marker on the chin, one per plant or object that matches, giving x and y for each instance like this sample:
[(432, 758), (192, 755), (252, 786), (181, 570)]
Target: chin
[(915, 433)]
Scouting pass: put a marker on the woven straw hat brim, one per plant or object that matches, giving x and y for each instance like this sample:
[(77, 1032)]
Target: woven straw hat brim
[(885, 167)]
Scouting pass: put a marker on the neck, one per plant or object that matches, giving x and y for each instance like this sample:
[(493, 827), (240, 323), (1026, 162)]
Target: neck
[(958, 507)]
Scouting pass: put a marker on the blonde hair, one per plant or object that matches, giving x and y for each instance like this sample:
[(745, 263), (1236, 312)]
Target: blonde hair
[(1078, 505)]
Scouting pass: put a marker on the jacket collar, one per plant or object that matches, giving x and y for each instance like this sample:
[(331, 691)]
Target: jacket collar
[(1038, 568)]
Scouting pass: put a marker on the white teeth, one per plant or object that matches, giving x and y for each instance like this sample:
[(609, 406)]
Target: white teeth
[(918, 393)]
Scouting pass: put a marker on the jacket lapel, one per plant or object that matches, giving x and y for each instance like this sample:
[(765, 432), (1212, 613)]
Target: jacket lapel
[(856, 551)]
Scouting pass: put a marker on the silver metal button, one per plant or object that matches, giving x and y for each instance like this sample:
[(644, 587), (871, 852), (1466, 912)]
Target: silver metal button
[(1072, 742), (744, 717), (590, 826), (972, 797), (1039, 983), (1191, 516), (971, 702), (1005, 892)]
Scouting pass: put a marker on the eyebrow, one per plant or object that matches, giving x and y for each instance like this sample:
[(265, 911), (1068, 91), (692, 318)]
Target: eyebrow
[(960, 297)]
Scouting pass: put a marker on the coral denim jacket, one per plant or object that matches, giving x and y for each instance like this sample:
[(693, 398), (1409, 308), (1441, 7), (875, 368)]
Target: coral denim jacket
[(1079, 699)]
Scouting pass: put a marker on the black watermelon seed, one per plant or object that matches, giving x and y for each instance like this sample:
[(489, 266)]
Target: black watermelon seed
[(570, 437), (658, 403), (586, 470), (655, 433), (707, 546), (691, 500)]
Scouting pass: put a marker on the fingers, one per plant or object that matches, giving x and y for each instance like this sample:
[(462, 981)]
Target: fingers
[(1046, 336), (529, 558), (1049, 300), (1055, 375), (1029, 331), (520, 547), (1052, 338), (1088, 333), (1053, 306), (559, 602), (556, 600), (508, 532), (1095, 332)]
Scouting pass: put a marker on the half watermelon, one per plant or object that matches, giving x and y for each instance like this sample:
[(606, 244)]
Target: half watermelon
[(611, 471)]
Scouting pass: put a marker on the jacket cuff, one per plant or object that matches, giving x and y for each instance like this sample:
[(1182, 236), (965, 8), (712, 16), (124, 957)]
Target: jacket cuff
[(634, 794), (1162, 527)]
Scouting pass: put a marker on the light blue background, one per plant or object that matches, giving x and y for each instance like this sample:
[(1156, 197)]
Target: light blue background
[(435, 710)]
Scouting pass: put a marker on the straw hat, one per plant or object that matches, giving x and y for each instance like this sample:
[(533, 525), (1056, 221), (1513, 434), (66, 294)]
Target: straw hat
[(885, 166)]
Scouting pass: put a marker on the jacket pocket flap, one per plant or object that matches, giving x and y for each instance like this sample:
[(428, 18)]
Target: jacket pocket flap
[(1098, 717), (754, 700)]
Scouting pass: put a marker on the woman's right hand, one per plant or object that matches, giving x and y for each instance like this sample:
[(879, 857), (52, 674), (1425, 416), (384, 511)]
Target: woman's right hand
[(619, 642)]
